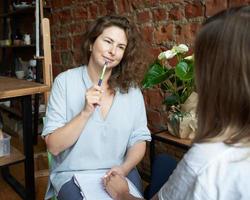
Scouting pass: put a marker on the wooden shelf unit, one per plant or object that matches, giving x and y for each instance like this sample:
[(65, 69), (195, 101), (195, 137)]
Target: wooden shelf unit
[(15, 157), (19, 46), (13, 88), (21, 11)]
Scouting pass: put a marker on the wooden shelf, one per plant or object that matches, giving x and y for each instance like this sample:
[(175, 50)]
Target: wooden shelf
[(19, 46), (14, 157), (12, 87), (11, 110), (16, 112), (168, 138), (20, 11)]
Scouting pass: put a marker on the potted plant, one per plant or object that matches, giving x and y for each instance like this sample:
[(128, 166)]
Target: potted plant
[(178, 82)]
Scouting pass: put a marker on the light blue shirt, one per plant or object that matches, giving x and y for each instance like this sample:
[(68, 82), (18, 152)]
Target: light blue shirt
[(103, 142)]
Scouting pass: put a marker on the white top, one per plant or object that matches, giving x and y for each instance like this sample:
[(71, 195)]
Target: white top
[(103, 142), (210, 171)]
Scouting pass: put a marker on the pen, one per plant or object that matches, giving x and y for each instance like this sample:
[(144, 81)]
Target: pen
[(103, 72)]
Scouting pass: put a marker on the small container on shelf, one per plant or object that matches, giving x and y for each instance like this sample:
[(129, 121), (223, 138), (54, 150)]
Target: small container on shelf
[(4, 144), (4, 140), (20, 74), (26, 39)]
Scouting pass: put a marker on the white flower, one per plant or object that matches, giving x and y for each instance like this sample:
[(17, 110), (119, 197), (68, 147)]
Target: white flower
[(167, 54), (182, 48), (189, 57)]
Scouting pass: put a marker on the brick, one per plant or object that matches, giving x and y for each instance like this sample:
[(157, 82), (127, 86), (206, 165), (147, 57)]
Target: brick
[(147, 34), (164, 116), (110, 7), (172, 62), (171, 1), (143, 17), (155, 51), (164, 33), (56, 32), (77, 42), (54, 18), (154, 98), (193, 10), (77, 28), (186, 33), (56, 3), (65, 16), (175, 14), (78, 58), (80, 13), (65, 30), (234, 3), (159, 14), (56, 69), (66, 58), (214, 6), (151, 3), (66, 3), (154, 119), (56, 57), (103, 9), (92, 11), (137, 4), (62, 43), (123, 6)]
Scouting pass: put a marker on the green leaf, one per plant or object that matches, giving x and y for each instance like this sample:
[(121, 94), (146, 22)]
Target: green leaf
[(171, 100), (165, 87), (184, 70), (156, 75)]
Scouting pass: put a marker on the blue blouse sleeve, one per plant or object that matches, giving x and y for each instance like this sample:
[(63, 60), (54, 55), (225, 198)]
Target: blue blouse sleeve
[(56, 109), (140, 130)]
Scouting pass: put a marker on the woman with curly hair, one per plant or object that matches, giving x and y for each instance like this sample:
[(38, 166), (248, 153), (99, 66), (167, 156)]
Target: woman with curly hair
[(94, 124)]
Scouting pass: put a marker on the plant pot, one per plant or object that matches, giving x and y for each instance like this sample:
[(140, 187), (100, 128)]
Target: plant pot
[(182, 124)]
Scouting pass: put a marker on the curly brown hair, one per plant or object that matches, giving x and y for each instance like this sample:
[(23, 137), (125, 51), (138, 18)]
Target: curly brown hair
[(130, 71)]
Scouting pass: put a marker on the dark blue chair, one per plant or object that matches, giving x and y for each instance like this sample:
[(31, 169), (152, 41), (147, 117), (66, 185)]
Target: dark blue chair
[(163, 166)]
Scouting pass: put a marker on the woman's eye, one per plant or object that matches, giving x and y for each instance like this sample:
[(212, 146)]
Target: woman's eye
[(122, 48), (108, 41)]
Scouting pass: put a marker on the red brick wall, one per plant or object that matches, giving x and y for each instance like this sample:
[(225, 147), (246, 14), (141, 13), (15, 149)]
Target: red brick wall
[(161, 22)]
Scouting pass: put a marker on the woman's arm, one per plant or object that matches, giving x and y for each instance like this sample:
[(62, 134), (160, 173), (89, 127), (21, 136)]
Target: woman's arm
[(133, 157), (65, 136)]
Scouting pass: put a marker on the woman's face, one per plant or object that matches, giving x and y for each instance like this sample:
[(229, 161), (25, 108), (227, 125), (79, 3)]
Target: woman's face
[(109, 46)]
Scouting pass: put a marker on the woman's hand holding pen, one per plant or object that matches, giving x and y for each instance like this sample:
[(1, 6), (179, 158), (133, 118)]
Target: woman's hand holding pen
[(93, 98)]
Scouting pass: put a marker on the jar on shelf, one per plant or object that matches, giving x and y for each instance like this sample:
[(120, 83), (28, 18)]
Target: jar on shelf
[(27, 39)]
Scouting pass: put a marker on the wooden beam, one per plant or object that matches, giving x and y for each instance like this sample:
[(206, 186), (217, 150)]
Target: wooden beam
[(47, 62)]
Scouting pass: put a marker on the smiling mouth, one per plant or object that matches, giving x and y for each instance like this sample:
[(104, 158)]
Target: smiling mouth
[(108, 60)]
